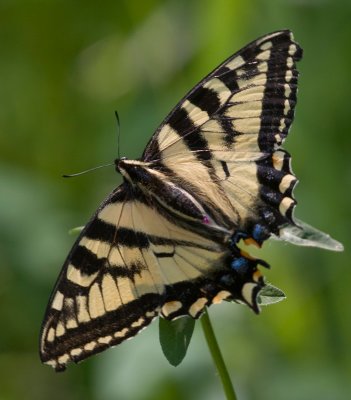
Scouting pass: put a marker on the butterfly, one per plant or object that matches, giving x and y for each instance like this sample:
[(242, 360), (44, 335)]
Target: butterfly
[(165, 242)]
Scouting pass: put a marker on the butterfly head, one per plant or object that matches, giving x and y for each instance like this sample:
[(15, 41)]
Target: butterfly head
[(119, 161), (121, 166)]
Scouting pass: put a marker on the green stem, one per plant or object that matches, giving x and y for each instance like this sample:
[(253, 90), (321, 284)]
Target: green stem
[(217, 357)]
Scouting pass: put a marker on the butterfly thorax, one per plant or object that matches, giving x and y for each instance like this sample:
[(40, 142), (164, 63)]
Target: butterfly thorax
[(127, 168), (158, 187)]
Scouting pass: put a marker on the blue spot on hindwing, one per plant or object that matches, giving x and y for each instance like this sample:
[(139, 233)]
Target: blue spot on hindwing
[(257, 232), (260, 233), (240, 264)]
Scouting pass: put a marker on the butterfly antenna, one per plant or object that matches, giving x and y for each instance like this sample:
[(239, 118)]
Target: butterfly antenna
[(118, 134), (87, 170)]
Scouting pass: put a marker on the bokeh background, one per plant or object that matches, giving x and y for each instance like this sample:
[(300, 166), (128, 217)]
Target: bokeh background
[(65, 67)]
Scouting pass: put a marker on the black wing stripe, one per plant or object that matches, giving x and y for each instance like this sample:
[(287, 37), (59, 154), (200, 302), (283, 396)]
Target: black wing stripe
[(187, 131), (276, 179), (103, 232), (100, 230), (180, 122), (279, 95), (206, 99), (86, 261), (229, 79)]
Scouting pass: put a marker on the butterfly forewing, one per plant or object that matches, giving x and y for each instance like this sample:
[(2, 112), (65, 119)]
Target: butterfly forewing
[(164, 242), (95, 303), (228, 131)]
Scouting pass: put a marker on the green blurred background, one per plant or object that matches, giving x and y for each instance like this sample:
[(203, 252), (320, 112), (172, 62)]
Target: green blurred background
[(65, 66)]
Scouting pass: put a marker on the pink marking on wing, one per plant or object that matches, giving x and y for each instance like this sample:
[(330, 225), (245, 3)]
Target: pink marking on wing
[(205, 220)]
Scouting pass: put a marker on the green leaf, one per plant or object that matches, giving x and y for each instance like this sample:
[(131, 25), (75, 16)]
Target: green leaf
[(302, 234), (270, 295), (175, 337), (76, 231)]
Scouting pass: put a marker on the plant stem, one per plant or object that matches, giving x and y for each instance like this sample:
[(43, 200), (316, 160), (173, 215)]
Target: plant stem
[(217, 357)]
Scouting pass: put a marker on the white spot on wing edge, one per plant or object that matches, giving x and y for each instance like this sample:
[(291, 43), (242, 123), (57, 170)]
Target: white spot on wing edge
[(278, 160), (287, 90), (286, 107), (171, 307), (51, 335), (285, 204), (290, 62), (90, 346), (282, 125), (197, 306), (105, 339), (277, 138), (288, 75), (220, 296), (247, 291), (286, 182), (150, 314), (52, 363), (76, 352), (292, 49), (138, 323), (121, 333), (63, 359)]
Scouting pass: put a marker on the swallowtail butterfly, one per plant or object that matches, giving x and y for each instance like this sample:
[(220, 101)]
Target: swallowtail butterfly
[(165, 242)]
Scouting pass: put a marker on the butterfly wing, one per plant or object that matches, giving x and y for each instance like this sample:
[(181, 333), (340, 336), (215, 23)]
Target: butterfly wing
[(129, 265), (85, 312), (223, 138)]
